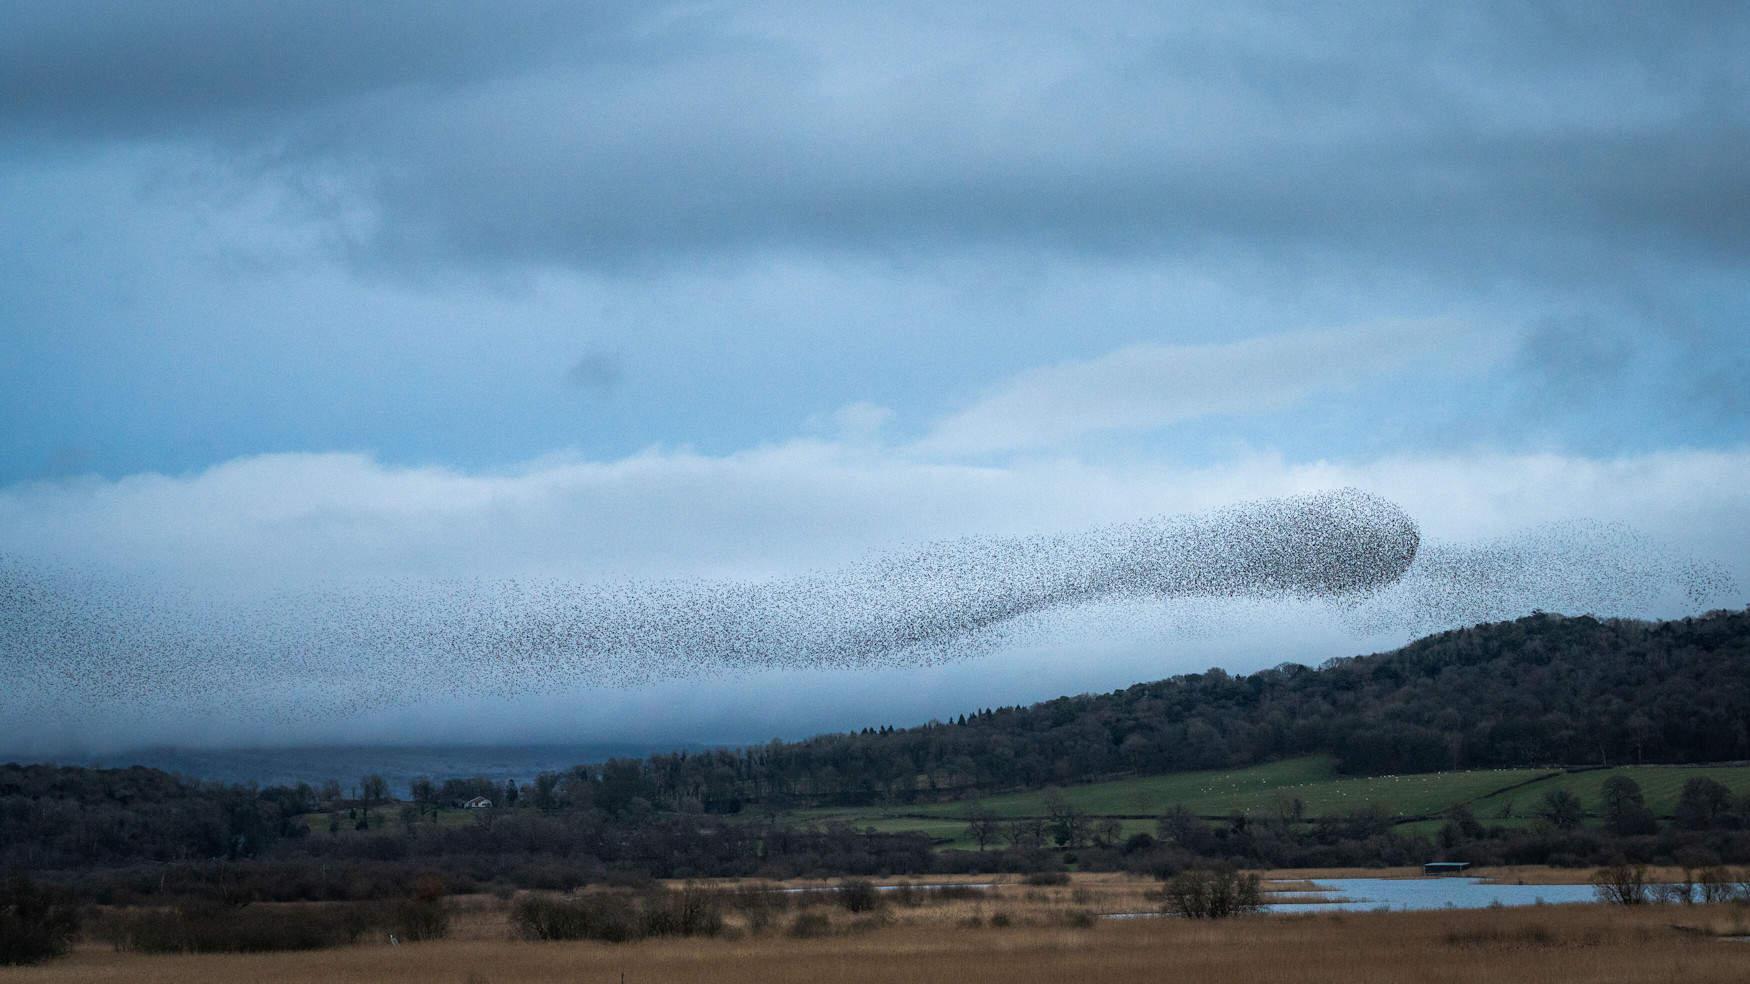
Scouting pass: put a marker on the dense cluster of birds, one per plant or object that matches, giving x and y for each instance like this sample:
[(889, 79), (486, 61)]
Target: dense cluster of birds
[(77, 639)]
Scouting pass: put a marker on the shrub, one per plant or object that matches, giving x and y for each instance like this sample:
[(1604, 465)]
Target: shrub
[(1213, 893), (1672, 894), (428, 889), (1621, 883), (688, 911), (1718, 884), (595, 916), (36, 924), (809, 925), (616, 917), (759, 903), (758, 920), (210, 927), (540, 916), (858, 895), (418, 919), (1048, 878)]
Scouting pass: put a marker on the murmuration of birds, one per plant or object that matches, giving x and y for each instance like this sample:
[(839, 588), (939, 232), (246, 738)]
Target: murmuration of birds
[(77, 639)]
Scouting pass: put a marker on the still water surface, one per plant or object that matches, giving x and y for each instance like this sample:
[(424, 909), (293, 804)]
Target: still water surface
[(1430, 893)]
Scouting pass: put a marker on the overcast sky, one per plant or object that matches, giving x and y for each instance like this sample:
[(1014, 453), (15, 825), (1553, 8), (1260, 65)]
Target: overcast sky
[(294, 294)]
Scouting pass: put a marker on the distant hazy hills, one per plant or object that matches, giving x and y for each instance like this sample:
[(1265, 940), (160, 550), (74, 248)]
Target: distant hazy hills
[(398, 764)]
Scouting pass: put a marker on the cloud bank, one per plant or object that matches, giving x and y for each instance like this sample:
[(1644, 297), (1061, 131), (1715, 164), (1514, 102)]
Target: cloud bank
[(621, 132), (1141, 387), (316, 595)]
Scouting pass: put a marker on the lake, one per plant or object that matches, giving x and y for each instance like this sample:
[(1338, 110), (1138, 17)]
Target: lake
[(1364, 894)]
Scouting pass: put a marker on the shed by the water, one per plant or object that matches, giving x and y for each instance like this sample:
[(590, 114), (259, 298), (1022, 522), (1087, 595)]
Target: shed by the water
[(1445, 867)]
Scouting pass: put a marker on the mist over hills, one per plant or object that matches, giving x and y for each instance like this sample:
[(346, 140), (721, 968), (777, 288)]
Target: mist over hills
[(1540, 690)]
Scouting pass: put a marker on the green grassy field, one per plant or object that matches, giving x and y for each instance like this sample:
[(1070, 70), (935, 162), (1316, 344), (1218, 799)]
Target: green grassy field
[(1661, 785), (1503, 796), (1507, 797)]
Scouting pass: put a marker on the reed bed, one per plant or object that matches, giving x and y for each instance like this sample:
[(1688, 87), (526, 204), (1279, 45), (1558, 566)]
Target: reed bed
[(1291, 885), (1525, 874), (999, 930), (1591, 944)]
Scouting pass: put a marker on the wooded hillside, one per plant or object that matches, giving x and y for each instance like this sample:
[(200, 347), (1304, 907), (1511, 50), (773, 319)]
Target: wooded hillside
[(1542, 690)]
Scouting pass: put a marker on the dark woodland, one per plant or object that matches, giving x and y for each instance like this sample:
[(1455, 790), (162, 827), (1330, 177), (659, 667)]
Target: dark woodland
[(1542, 690)]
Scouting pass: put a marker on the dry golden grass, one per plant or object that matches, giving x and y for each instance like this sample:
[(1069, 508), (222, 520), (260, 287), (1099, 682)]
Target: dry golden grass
[(1314, 874), (914, 880), (1591, 944), (1525, 874), (1537, 874), (1291, 885), (1095, 894)]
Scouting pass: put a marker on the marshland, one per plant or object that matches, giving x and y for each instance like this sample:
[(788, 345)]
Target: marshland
[(1009, 932)]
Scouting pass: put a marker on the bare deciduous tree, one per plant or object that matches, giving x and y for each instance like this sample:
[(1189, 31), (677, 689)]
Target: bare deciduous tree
[(1621, 883), (982, 825), (372, 789)]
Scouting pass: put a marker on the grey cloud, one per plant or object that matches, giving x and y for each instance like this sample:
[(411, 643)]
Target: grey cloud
[(1485, 137), (1146, 386), (705, 174), (599, 371), (1575, 351), (1598, 375), (1574, 356), (200, 67), (68, 461), (1722, 387)]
